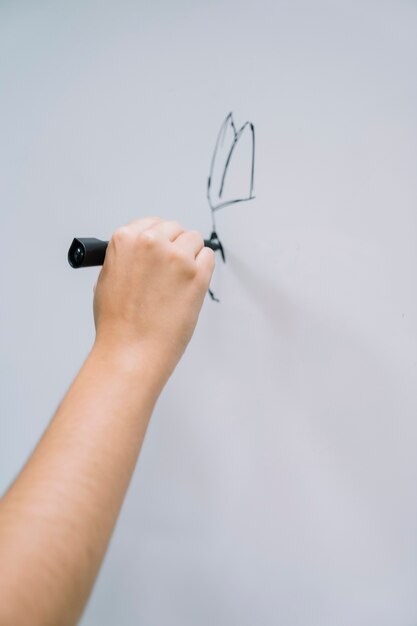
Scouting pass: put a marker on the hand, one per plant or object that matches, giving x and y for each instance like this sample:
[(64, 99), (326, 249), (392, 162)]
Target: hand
[(151, 288)]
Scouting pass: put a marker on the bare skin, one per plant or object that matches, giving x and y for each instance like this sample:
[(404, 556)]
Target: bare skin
[(57, 518)]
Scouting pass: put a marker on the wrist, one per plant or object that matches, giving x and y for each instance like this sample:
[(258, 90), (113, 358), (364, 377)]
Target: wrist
[(136, 361)]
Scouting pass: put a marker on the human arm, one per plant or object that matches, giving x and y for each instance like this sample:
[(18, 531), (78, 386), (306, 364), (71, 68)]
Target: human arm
[(57, 518)]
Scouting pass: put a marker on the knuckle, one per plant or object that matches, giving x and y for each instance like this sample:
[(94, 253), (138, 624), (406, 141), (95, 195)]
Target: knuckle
[(185, 264), (190, 267), (175, 224), (196, 234), (190, 271), (121, 234), (147, 238), (178, 256)]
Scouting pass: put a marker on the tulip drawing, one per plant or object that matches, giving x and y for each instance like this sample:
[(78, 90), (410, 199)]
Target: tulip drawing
[(232, 146), (234, 149)]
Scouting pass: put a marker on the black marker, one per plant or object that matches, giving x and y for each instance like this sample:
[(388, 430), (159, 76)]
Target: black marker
[(88, 251)]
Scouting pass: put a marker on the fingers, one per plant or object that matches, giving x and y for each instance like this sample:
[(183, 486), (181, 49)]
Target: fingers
[(169, 229), (191, 242), (137, 226)]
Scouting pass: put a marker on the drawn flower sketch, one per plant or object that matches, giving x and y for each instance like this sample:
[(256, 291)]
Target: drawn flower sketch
[(234, 150), (232, 146)]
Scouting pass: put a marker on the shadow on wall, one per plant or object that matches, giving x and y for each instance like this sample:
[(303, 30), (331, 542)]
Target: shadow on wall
[(344, 390), (266, 293)]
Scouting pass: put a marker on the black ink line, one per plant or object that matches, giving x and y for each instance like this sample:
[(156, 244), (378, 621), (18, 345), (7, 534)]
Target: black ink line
[(229, 122)]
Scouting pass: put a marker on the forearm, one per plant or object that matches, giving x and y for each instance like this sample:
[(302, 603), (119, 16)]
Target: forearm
[(57, 518)]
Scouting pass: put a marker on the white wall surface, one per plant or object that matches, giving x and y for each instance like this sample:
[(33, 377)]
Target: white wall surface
[(277, 482)]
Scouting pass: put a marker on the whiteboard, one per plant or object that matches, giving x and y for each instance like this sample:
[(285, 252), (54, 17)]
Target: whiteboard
[(277, 482)]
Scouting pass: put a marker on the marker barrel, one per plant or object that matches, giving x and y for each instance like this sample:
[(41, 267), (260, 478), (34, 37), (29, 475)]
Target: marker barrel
[(89, 251)]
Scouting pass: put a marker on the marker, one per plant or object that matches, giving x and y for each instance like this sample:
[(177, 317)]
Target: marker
[(89, 251)]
